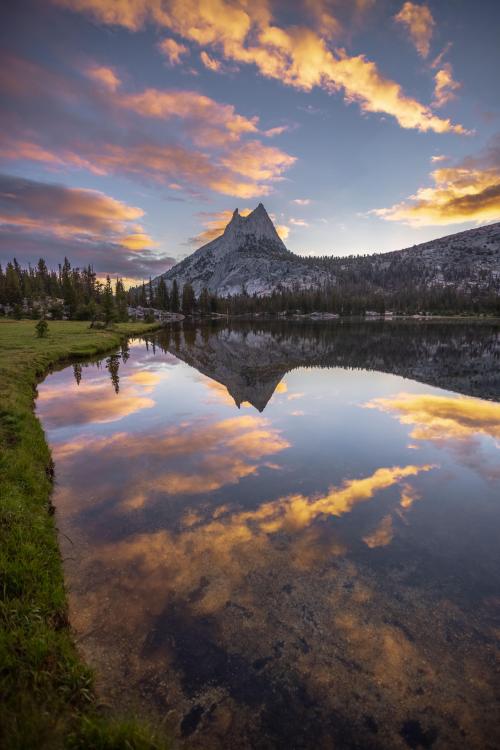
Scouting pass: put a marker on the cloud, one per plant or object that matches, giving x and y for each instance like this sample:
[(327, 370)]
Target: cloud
[(297, 56), (105, 257), (192, 170), (210, 62), (439, 58), (95, 402), (420, 25), (215, 223), (468, 427), (258, 162), (106, 133), (382, 535), (192, 458), (408, 496), (301, 201), (299, 223), (443, 418), (438, 157), (282, 230), (213, 123), (52, 220), (325, 23), (445, 86), (65, 212), (104, 76), (469, 191), (173, 51), (278, 130)]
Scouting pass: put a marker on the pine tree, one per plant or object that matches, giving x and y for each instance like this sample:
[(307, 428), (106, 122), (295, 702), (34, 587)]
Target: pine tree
[(174, 298), (68, 286), (204, 302), (2, 286), (121, 301), (13, 294), (108, 305), (188, 299), (162, 295)]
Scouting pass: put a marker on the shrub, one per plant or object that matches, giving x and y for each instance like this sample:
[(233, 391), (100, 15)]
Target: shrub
[(42, 328)]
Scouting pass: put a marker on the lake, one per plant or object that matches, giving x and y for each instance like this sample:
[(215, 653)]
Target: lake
[(286, 535)]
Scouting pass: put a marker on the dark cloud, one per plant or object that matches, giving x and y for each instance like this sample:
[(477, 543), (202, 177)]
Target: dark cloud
[(51, 220)]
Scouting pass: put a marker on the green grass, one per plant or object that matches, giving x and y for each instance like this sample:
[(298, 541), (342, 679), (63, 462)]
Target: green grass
[(46, 692)]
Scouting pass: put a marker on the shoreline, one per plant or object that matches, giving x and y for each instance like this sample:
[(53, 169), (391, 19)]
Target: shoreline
[(48, 698)]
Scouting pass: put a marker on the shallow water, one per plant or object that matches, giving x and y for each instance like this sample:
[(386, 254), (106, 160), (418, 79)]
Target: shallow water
[(287, 535)]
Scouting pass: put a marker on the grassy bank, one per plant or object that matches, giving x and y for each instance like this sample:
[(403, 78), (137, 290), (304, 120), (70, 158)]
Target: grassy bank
[(46, 692)]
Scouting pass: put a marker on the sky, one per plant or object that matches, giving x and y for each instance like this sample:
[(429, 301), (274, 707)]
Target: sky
[(131, 129)]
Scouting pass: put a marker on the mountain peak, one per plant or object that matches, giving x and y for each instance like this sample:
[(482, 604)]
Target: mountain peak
[(257, 224)]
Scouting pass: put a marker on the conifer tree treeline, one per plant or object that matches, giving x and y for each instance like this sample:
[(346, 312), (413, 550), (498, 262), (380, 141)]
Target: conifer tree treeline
[(76, 293)]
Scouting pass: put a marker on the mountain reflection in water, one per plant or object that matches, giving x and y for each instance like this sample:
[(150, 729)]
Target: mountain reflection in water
[(318, 569)]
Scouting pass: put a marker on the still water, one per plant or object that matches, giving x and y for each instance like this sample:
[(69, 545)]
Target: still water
[(287, 535)]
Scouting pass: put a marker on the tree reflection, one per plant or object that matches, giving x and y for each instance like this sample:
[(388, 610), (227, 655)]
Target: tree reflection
[(113, 366), (125, 351), (77, 371)]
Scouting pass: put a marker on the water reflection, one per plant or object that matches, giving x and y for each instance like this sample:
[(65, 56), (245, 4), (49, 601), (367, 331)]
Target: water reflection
[(443, 418), (316, 577)]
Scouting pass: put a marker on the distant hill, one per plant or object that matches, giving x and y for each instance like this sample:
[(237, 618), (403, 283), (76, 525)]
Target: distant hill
[(463, 260), (250, 257)]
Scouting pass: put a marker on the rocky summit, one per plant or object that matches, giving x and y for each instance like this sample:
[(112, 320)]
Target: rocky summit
[(248, 256)]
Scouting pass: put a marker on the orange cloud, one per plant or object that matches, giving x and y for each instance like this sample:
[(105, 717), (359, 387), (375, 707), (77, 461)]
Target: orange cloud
[(443, 418), (215, 123), (364, 84), (231, 544), (215, 223), (283, 231), (445, 86), (325, 22), (173, 50), (296, 56), (105, 77), (216, 128), (464, 193), (191, 458), (26, 150), (258, 162), (420, 25), (408, 496), (298, 511), (137, 241), (94, 402), (210, 62), (18, 149), (67, 212), (382, 535), (191, 169)]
